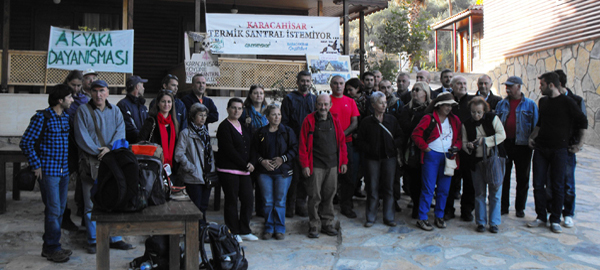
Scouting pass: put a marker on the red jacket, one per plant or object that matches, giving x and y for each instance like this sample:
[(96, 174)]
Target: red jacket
[(422, 143), (305, 150)]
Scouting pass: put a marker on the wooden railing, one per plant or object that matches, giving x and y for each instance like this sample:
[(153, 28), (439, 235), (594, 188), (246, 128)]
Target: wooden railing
[(28, 68)]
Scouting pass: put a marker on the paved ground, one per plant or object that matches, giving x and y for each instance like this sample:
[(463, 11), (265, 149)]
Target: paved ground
[(378, 247)]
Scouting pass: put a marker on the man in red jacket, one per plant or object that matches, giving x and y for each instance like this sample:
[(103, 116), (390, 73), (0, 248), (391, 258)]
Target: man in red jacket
[(322, 154)]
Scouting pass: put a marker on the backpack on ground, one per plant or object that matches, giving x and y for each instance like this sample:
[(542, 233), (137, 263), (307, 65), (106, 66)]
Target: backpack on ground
[(119, 187), (149, 158), (157, 254), (224, 248)]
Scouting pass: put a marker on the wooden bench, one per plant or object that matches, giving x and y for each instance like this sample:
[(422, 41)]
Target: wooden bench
[(10, 153), (172, 218)]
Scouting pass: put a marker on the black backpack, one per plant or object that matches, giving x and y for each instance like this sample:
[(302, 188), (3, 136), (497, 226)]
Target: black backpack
[(225, 249), (157, 254), (119, 187), (151, 172)]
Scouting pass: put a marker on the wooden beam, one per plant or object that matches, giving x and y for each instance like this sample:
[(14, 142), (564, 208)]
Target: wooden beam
[(197, 21), (5, 43), (454, 47), (346, 29), (320, 7), (129, 14), (362, 43)]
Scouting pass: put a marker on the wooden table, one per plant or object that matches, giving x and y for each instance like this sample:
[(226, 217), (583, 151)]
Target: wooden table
[(10, 153), (172, 218)]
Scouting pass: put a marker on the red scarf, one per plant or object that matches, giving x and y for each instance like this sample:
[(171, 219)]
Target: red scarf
[(168, 145)]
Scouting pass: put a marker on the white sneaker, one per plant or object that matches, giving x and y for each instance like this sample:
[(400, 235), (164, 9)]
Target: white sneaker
[(536, 223), (249, 237), (555, 228), (569, 222), (238, 238)]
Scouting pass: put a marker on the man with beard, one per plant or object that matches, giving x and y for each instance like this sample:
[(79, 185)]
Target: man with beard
[(445, 78)]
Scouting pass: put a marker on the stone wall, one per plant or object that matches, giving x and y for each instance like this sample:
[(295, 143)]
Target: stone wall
[(580, 61)]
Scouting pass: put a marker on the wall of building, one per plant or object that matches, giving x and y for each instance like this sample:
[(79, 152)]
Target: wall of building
[(581, 63)]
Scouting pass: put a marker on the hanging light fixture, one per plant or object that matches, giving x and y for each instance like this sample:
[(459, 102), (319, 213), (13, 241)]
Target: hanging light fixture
[(234, 8)]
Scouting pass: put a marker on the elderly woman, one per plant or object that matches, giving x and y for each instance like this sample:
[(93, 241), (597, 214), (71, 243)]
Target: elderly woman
[(483, 127), (411, 114), (274, 146), (438, 143), (196, 159), (234, 168), (379, 137), (161, 126)]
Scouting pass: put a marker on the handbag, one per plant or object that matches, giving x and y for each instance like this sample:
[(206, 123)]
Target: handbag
[(25, 179), (449, 164), (492, 167)]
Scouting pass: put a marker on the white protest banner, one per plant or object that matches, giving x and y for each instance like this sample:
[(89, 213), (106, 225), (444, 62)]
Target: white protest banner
[(110, 51), (272, 34), (203, 62)]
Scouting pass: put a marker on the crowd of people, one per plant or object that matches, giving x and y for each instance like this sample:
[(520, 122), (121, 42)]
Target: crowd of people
[(313, 151)]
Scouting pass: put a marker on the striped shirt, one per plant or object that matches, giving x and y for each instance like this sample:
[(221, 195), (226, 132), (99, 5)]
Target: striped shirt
[(54, 144)]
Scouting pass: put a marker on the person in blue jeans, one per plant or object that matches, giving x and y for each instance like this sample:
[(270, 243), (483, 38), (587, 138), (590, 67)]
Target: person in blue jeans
[(483, 127), (446, 135), (274, 146), (559, 116), (49, 161)]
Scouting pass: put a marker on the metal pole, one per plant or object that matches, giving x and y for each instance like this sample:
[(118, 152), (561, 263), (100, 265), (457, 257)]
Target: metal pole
[(362, 43), (346, 29)]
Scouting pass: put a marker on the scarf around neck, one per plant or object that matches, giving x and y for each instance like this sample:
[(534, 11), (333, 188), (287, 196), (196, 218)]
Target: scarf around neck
[(205, 137), (167, 141)]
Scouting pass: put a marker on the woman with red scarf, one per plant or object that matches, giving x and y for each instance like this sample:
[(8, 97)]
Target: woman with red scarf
[(161, 126)]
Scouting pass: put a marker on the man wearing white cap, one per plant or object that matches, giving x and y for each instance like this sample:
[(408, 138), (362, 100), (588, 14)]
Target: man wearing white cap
[(89, 76)]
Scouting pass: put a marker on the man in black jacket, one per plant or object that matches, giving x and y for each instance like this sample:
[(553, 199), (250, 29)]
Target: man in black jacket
[(467, 200), (198, 95), (133, 108), (445, 78), (484, 87), (294, 108)]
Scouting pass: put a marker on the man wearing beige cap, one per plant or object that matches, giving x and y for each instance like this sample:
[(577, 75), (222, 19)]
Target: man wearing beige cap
[(519, 115), (89, 76)]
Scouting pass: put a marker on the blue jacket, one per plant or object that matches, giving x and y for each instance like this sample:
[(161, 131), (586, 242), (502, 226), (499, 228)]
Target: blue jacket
[(527, 117), (295, 107), (213, 114), (181, 113), (134, 113)]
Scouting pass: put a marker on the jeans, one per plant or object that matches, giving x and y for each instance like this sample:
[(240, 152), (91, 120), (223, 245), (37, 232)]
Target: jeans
[(569, 205), (237, 187), (274, 188), (521, 156), (432, 172), (86, 185), (296, 196), (348, 180), (480, 185), (569, 201), (54, 195), (199, 194), (467, 200), (380, 177), (320, 187), (555, 160)]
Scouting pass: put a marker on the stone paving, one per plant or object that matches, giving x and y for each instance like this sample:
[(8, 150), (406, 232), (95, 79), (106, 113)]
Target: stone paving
[(378, 247)]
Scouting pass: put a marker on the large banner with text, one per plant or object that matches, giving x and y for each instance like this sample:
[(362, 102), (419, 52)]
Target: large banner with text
[(109, 51), (273, 34)]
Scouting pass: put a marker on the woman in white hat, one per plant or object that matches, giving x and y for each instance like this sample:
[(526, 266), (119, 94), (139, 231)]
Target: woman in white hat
[(438, 135)]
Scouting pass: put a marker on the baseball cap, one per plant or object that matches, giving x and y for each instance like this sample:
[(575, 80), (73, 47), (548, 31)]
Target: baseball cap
[(99, 83), (89, 71), (512, 80), (134, 80)]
